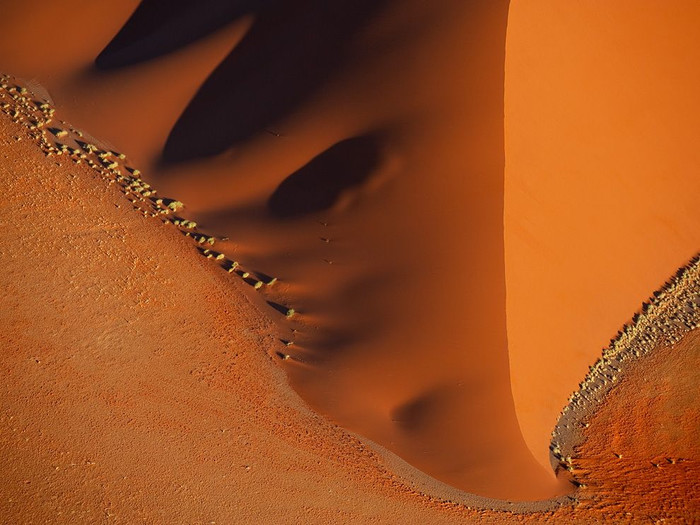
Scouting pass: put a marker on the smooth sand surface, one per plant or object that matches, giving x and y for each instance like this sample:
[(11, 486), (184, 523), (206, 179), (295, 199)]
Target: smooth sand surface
[(136, 385), (395, 270), (140, 382), (415, 323), (601, 181)]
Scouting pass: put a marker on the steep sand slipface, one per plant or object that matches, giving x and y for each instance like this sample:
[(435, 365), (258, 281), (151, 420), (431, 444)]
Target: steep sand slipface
[(134, 108), (137, 383), (127, 395), (601, 181), (396, 277), (409, 337)]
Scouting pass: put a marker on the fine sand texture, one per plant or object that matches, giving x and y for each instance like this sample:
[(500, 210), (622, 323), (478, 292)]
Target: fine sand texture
[(360, 225), (140, 381), (349, 169)]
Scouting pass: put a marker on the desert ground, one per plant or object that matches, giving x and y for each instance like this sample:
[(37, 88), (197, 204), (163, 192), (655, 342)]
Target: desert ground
[(355, 262)]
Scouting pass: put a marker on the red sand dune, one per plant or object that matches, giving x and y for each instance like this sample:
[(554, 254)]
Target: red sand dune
[(127, 396), (601, 181), (362, 167)]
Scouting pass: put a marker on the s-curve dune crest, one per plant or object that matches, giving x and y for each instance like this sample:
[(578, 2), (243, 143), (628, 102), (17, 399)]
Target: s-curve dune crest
[(347, 197)]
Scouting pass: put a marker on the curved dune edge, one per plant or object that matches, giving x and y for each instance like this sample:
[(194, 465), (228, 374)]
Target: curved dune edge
[(663, 321), (426, 486), (670, 314), (639, 459)]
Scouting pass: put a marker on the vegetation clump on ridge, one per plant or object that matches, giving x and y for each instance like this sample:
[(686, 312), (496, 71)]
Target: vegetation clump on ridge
[(31, 106), (671, 312)]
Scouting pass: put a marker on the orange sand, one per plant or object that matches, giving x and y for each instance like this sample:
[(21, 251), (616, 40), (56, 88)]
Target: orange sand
[(642, 445), (128, 397), (400, 332), (601, 181), (396, 271), (139, 381)]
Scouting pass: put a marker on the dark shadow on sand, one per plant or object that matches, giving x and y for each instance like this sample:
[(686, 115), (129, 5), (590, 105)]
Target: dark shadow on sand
[(292, 48), (159, 27), (318, 185)]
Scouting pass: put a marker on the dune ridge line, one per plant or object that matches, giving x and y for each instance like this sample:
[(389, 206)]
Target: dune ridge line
[(670, 313)]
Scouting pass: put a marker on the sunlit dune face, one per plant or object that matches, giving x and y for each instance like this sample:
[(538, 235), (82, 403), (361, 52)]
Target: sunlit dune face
[(601, 181), (354, 153)]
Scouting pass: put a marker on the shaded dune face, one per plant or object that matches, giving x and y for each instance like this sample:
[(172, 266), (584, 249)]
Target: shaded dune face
[(311, 190), (356, 155), (75, 367), (355, 152), (159, 27), (283, 61), (362, 166)]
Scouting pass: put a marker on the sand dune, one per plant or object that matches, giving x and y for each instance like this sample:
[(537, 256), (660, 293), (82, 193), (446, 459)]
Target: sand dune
[(127, 395), (348, 165), (601, 178)]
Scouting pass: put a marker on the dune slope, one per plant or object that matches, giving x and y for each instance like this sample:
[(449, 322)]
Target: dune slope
[(131, 393), (349, 166)]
